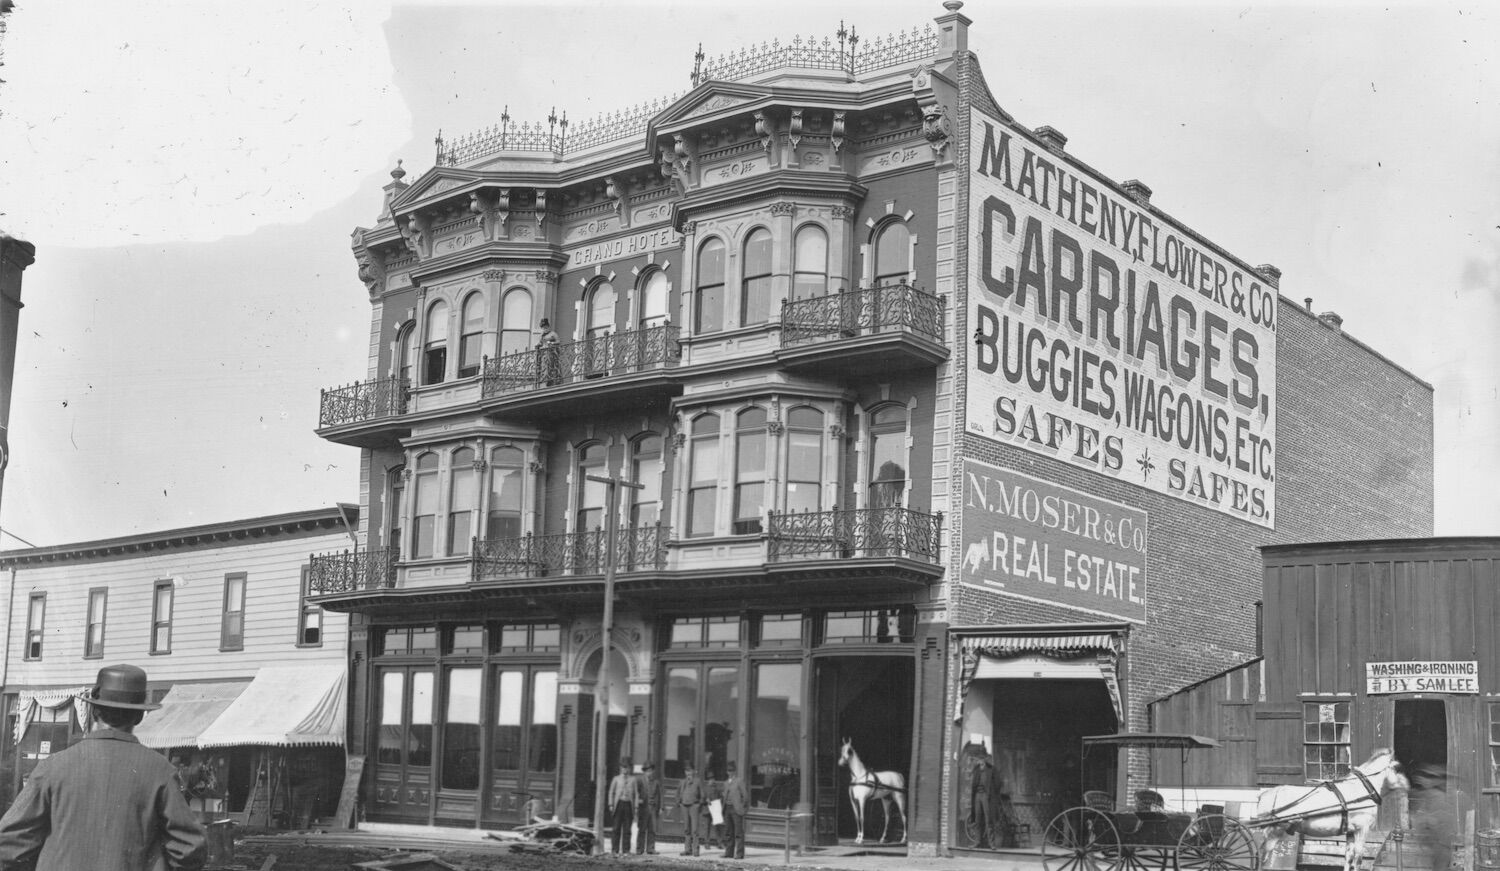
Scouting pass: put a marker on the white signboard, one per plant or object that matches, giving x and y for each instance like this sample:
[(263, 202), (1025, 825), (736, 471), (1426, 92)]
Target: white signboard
[(1108, 337), (1419, 676)]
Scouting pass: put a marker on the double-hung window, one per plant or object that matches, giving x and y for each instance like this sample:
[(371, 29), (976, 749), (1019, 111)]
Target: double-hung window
[(161, 617), (93, 639), (708, 298), (749, 471), (1325, 740), (435, 350), (232, 624), (471, 337), (804, 465), (755, 282), (703, 486), (887, 467), (515, 322), (36, 617), (810, 262), (425, 505), (462, 491), (504, 520), (309, 617)]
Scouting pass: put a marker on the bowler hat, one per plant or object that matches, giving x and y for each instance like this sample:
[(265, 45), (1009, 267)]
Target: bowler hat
[(121, 686), (624, 761)]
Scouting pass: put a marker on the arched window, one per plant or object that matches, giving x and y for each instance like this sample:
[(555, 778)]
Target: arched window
[(591, 494), (703, 479), (515, 321), (804, 465), (892, 254), (708, 299), (755, 286), (601, 310), (645, 469), (810, 263), (424, 506), (462, 494), (504, 518), (435, 350), (471, 336), (888, 457), (654, 300), (396, 508), (749, 471), (406, 351)]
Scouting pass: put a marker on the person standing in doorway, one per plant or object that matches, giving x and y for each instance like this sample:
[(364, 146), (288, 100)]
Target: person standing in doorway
[(646, 813), (624, 795), (984, 794), (736, 804), (107, 801), (692, 797)]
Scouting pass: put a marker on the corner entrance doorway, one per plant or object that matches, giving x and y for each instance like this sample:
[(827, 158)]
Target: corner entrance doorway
[(1039, 727), (866, 700)]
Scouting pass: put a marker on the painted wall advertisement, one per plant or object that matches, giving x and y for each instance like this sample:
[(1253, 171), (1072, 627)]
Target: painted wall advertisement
[(1110, 338), (1030, 538), (1382, 678)]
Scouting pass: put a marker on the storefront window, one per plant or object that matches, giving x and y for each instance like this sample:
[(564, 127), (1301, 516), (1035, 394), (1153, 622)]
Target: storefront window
[(1325, 741), (507, 736), (776, 629), (392, 700), (776, 735), (721, 720), (682, 719), (461, 730), (420, 740), (869, 627), (542, 749)]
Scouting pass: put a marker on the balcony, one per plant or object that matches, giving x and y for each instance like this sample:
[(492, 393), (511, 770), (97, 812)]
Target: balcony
[(574, 553), (597, 374), (852, 534), (365, 414), (356, 571), (894, 326)]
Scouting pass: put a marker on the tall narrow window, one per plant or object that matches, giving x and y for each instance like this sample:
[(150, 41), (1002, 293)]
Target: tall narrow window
[(645, 469), (471, 337), (461, 760), (804, 466), (309, 617), (755, 287), (161, 618), (776, 733), (232, 622), (425, 505), (396, 509), (461, 502), (515, 322), (654, 300), (406, 348), (888, 457), (892, 254), (749, 470), (810, 263), (708, 298), (505, 737), (93, 640), (1325, 740), (542, 742), (703, 488), (591, 494), (36, 622), (435, 350), (601, 311), (504, 520)]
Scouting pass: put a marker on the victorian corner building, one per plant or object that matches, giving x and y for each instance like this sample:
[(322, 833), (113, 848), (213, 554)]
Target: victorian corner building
[(928, 438)]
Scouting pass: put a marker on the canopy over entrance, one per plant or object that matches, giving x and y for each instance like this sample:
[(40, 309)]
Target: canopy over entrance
[(187, 710), (285, 706)]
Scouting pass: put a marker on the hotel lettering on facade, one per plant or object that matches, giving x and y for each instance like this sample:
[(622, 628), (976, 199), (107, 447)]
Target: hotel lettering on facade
[(932, 424)]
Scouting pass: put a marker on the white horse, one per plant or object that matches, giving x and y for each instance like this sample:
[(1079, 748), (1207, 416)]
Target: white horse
[(864, 784), (1346, 806)]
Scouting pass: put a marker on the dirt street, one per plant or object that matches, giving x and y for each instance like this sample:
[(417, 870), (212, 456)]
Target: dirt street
[(292, 856)]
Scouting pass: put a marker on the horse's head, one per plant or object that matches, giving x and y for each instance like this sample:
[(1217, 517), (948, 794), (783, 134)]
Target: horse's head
[(1384, 771), (846, 751)]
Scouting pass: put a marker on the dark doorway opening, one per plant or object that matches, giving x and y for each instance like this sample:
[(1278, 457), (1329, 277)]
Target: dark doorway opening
[(1421, 746), (868, 701), (1039, 727)]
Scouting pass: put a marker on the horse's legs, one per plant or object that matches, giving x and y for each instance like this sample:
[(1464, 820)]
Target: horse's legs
[(859, 817), (901, 806), (885, 811), (1356, 849)]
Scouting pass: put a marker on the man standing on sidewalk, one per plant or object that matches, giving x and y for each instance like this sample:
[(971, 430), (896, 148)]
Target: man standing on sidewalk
[(692, 797), (649, 787), (736, 803), (624, 795)]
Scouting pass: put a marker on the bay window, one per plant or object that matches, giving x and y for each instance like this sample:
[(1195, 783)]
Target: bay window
[(804, 465), (810, 263), (708, 297), (461, 496), (471, 336), (435, 350), (749, 471), (504, 518), (425, 505), (703, 476), (755, 281)]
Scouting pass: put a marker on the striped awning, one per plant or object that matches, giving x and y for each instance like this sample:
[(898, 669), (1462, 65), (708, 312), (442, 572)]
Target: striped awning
[(1103, 649), (1011, 645), (285, 706), (187, 710)]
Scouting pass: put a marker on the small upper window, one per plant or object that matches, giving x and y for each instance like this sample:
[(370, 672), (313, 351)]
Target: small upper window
[(892, 254), (471, 341), (36, 617), (93, 639), (654, 300), (708, 298), (232, 623), (435, 351), (161, 618)]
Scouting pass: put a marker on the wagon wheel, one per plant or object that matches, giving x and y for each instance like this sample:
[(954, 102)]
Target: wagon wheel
[(973, 830), (1081, 839), (1215, 842)]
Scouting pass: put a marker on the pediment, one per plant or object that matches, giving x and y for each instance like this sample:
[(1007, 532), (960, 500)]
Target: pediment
[(710, 98), (435, 181)]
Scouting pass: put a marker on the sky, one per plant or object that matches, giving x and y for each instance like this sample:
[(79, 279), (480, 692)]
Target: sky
[(191, 171)]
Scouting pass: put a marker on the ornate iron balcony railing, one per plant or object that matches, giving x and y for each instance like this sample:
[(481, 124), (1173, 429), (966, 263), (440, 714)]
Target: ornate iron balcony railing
[(353, 571), (867, 311), (364, 401), (637, 549), (855, 533), (550, 366)]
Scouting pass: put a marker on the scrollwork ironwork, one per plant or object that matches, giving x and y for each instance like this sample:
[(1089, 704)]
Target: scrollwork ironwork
[(364, 401), (598, 357), (855, 533), (868, 311), (642, 548), (353, 571)]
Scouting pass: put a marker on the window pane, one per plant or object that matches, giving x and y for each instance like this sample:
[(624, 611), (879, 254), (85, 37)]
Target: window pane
[(892, 254), (654, 300), (601, 310), (687, 632), (546, 637), (505, 494), (804, 456), (721, 710), (781, 627), (391, 735), (542, 742), (515, 322), (724, 633), (811, 269), (776, 735), (461, 730), (420, 732), (757, 301), (506, 753), (681, 720)]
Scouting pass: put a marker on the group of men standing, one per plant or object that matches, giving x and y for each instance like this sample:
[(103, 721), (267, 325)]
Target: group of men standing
[(636, 799)]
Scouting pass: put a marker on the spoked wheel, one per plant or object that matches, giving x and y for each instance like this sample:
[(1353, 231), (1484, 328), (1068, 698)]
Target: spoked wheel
[(1081, 839), (973, 831), (1215, 842)]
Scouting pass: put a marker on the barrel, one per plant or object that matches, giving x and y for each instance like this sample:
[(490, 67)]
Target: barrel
[(220, 842), (1487, 849)]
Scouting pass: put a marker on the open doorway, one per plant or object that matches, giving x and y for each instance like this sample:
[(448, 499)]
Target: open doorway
[(1421, 746)]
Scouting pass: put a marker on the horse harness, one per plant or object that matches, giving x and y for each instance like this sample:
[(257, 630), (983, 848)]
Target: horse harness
[(1371, 793), (873, 782)]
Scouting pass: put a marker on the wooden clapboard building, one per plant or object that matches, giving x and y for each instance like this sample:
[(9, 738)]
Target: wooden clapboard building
[(1366, 644)]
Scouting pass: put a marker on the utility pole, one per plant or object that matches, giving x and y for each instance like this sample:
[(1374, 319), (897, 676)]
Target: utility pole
[(607, 625)]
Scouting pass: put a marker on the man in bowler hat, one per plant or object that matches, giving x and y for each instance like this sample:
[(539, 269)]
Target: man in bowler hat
[(692, 796), (736, 804), (106, 801)]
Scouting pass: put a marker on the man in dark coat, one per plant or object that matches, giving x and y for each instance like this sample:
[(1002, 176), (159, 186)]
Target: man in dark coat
[(647, 812), (624, 795), (984, 798), (106, 802), (692, 797), (736, 804)]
